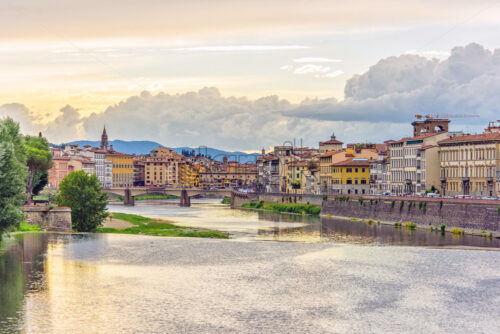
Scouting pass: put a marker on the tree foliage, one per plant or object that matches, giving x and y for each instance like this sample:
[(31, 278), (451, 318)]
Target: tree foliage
[(84, 195), (38, 160), (40, 181), (13, 174)]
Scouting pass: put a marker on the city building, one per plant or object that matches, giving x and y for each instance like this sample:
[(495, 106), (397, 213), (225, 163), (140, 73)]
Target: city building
[(297, 177), (60, 168), (414, 162), (330, 145), (351, 176), (379, 175), (470, 164), (122, 168)]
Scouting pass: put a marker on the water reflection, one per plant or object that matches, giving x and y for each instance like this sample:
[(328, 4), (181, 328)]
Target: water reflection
[(259, 225)]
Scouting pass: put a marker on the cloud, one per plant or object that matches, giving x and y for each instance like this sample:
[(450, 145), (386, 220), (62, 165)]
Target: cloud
[(242, 48), (378, 105), (430, 53), (317, 60), (311, 68), (397, 88)]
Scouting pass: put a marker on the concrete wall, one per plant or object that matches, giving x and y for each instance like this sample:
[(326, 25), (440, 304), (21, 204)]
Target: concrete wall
[(57, 219), (469, 215)]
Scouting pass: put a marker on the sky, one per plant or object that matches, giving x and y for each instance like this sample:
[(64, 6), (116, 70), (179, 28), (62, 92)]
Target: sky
[(243, 75)]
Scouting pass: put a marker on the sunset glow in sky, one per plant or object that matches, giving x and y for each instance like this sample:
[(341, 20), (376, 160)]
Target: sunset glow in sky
[(286, 63)]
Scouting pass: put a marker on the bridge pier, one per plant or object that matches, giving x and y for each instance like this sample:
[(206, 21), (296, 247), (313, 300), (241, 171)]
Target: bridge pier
[(128, 199), (185, 200)]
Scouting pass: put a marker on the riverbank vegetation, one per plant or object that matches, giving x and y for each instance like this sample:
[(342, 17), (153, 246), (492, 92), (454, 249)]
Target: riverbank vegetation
[(148, 226), (285, 208), (226, 200), (150, 197)]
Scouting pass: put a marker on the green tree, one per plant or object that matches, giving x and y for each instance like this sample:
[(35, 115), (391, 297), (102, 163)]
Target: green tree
[(84, 195), (13, 174), (38, 160), (40, 181)]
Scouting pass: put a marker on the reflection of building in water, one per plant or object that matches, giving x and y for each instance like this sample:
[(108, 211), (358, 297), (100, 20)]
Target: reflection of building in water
[(290, 227)]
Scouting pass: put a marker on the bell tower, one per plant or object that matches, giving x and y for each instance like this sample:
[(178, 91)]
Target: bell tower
[(104, 139)]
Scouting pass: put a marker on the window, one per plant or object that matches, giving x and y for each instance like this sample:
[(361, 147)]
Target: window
[(355, 170), (363, 170), (348, 170)]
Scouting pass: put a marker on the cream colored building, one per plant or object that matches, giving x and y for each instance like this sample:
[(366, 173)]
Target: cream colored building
[(414, 162), (470, 164)]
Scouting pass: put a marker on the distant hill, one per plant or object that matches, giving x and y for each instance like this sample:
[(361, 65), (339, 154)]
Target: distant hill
[(144, 147)]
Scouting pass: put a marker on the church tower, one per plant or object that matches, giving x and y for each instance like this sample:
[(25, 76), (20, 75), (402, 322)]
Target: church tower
[(104, 139)]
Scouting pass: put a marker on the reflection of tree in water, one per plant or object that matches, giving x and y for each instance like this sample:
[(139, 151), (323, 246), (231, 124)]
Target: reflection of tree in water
[(345, 230), (21, 271)]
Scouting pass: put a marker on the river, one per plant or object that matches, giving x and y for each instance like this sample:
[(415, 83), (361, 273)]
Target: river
[(343, 277)]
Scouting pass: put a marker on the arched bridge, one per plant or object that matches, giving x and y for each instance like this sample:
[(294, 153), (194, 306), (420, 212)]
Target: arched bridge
[(185, 195)]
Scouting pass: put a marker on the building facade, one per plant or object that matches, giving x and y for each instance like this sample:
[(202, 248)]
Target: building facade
[(469, 165), (351, 177)]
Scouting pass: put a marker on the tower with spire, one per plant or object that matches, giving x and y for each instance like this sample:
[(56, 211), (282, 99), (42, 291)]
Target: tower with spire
[(104, 139)]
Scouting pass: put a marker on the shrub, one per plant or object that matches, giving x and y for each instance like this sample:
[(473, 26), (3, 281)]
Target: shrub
[(360, 200), (393, 202), (424, 207), (498, 209), (410, 204), (371, 221), (410, 225), (420, 205), (325, 197), (290, 208), (401, 204), (442, 227), (398, 224), (457, 230), (440, 204), (490, 235), (371, 201)]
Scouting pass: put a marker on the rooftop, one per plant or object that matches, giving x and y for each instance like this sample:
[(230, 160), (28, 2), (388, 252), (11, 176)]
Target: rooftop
[(493, 136), (351, 162)]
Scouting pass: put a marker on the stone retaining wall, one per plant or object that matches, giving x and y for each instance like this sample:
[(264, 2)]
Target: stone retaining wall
[(469, 215), (56, 219)]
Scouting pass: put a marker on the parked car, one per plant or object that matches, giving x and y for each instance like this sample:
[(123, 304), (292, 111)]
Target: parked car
[(433, 195)]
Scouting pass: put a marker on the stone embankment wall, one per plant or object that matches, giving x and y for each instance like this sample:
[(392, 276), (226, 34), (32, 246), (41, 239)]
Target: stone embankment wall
[(463, 214), (56, 219), (469, 214), (238, 199)]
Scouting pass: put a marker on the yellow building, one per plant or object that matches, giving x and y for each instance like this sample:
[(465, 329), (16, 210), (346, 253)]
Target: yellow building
[(188, 175), (296, 179), (351, 177), (122, 168)]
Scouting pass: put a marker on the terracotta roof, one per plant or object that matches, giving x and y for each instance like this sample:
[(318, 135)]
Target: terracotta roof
[(494, 136), (298, 163), (427, 147), (330, 153), (330, 142), (351, 162)]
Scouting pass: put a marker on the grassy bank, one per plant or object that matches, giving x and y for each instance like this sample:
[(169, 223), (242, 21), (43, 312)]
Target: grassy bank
[(148, 226), (304, 209), (226, 200), (150, 197)]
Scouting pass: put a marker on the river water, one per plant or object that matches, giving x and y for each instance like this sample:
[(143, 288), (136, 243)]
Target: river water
[(345, 277)]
